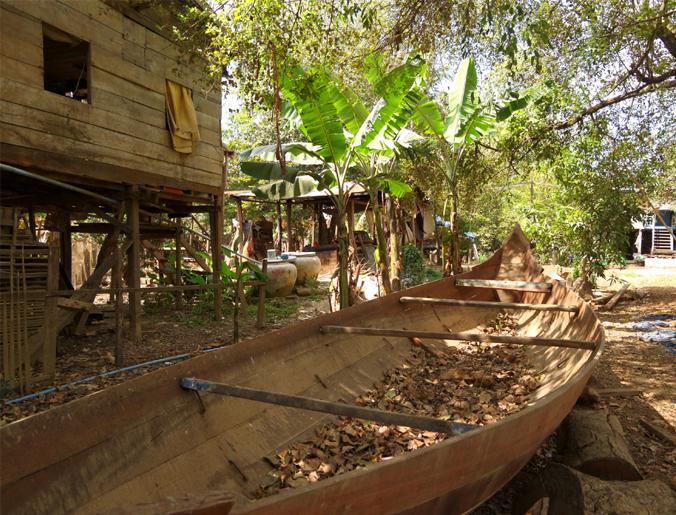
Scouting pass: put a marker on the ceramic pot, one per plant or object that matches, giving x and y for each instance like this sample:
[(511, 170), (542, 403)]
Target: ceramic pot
[(281, 277), (308, 265)]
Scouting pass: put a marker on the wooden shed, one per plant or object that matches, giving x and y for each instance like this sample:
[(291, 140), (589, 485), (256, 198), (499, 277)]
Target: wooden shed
[(109, 127)]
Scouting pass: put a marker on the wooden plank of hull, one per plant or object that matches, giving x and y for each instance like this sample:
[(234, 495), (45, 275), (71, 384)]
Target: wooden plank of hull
[(571, 308), (505, 284), (146, 439)]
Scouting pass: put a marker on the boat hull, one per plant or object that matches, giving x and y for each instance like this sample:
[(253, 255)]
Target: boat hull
[(147, 439)]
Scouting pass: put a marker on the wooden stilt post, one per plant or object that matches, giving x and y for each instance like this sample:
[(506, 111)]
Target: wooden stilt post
[(32, 224), (217, 252), (278, 244), (289, 234), (50, 328), (119, 305), (66, 249), (313, 238), (240, 221), (260, 314), (178, 266), (133, 264)]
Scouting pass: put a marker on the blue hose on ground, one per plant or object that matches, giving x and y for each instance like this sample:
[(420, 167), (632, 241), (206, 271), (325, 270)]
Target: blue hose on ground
[(110, 373)]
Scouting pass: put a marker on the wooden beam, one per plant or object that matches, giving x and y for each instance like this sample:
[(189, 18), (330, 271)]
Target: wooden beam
[(278, 243), (260, 314), (178, 264), (322, 406), (92, 228), (193, 253), (616, 298), (74, 304), (240, 222), (490, 304), (289, 233), (117, 286), (66, 250), (216, 222), (475, 337), (133, 264), (51, 328), (498, 284)]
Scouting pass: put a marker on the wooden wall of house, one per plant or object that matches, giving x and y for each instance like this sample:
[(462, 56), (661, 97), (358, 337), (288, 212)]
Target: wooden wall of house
[(121, 135)]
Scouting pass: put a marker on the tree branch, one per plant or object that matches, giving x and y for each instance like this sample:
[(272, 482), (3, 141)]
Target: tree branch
[(640, 91)]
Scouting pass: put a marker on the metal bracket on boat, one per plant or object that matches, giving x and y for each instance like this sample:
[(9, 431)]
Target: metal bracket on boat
[(503, 284), (490, 304), (322, 406)]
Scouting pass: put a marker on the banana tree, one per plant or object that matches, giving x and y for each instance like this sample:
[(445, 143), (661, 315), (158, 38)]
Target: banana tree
[(468, 121), (345, 140)]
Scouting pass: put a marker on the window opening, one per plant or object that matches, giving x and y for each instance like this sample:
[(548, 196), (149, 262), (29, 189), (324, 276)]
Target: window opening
[(66, 64)]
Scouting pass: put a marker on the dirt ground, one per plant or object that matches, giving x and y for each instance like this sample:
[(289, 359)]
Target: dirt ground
[(168, 336), (627, 363)]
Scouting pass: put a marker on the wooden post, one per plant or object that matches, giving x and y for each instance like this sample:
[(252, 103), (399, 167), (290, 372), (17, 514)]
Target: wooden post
[(314, 224), (260, 314), (289, 233), (178, 266), (32, 224), (119, 305), (51, 328), (217, 252), (278, 244), (133, 264), (66, 250), (240, 221)]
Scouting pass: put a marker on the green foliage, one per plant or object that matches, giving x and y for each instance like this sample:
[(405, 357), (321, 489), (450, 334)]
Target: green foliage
[(245, 41), (413, 267), (588, 217)]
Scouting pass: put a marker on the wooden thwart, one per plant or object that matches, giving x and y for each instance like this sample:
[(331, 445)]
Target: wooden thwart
[(474, 337), (490, 304), (334, 408), (500, 284)]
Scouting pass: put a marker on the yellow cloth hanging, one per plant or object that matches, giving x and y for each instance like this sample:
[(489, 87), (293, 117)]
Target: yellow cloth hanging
[(181, 118)]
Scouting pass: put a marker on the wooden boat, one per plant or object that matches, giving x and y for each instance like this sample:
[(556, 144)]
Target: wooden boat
[(149, 439)]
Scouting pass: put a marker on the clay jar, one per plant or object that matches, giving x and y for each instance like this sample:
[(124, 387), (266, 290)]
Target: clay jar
[(307, 264), (282, 275)]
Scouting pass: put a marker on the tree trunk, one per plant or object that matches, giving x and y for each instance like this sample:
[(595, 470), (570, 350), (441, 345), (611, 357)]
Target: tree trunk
[(384, 258), (559, 490), (395, 235), (454, 244), (342, 259), (592, 441), (583, 285)]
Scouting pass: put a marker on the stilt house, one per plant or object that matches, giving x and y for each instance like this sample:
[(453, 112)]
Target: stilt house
[(108, 127)]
